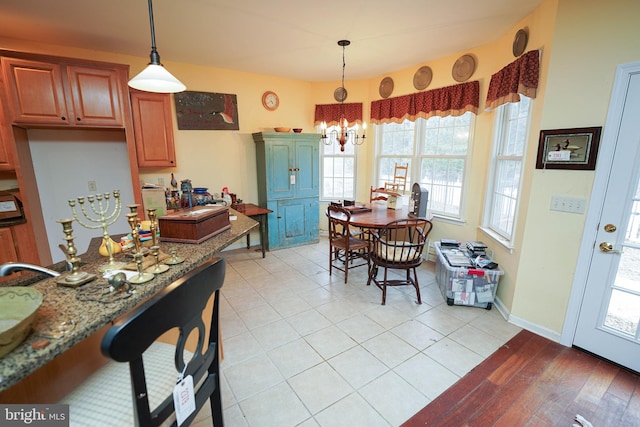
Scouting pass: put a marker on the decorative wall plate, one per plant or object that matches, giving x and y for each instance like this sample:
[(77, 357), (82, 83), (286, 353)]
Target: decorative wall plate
[(386, 87), (463, 68), (340, 94), (520, 42), (422, 77)]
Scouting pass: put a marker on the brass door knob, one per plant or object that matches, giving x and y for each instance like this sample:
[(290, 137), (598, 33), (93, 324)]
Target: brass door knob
[(608, 248)]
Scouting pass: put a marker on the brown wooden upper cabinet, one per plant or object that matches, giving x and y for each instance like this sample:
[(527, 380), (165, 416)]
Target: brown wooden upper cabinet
[(52, 93), (153, 129), (6, 161)]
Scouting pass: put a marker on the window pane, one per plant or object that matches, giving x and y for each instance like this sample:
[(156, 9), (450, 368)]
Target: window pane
[(338, 170), (397, 138), (443, 178), (503, 191)]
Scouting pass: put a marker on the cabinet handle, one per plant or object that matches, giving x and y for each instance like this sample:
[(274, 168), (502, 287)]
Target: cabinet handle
[(63, 118), (279, 217), (78, 118)]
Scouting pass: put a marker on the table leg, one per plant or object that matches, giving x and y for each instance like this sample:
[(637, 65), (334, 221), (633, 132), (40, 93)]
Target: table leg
[(261, 231), (248, 240)]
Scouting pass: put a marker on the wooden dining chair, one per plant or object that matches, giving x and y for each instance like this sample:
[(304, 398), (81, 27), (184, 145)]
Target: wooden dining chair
[(345, 250), (399, 180), (143, 394), (399, 246), (377, 194)]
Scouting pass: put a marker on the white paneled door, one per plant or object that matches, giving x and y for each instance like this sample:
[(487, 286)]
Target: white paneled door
[(610, 310)]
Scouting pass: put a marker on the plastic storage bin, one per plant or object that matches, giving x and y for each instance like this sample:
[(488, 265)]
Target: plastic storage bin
[(474, 287)]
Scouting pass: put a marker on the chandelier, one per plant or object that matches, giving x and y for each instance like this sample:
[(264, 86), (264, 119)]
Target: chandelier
[(344, 134)]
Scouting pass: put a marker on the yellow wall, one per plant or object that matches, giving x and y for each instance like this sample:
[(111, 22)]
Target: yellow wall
[(582, 42), (591, 38)]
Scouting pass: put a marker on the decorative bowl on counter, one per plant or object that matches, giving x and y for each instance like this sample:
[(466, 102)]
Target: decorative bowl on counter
[(282, 129), (18, 308), (297, 130)]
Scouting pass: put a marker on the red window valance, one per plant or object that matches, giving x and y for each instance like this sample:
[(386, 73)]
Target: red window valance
[(519, 77), (331, 113), (447, 101)]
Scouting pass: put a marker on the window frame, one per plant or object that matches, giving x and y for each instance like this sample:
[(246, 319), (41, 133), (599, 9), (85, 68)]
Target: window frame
[(501, 130), (417, 157), (337, 154)]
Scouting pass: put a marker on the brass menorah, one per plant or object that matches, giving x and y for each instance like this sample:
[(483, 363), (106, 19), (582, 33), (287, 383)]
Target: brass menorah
[(100, 216)]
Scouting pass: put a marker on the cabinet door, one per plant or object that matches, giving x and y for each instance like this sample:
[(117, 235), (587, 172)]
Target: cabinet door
[(280, 173), (6, 161), (307, 169), (153, 129), (7, 247), (96, 96), (296, 223), (35, 91)]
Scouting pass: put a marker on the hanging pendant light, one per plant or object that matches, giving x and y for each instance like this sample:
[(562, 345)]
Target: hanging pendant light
[(156, 78), (341, 137)]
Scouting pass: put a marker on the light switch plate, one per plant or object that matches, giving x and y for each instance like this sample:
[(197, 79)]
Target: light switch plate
[(568, 204)]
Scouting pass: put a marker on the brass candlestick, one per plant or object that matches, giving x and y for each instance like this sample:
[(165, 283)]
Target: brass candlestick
[(175, 259), (157, 268), (141, 277), (75, 277), (153, 227), (133, 208), (100, 206)]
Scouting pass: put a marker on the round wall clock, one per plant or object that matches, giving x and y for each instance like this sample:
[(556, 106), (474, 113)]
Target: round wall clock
[(270, 100)]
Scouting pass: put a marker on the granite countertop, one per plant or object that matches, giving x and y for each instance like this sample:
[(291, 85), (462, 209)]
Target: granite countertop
[(65, 304)]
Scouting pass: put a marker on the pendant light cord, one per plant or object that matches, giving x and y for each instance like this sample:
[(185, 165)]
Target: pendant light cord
[(154, 55)]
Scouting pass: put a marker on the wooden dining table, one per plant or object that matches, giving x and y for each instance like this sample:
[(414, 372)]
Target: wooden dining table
[(378, 216)]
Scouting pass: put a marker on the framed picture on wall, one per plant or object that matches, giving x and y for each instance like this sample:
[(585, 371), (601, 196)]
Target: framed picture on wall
[(568, 148)]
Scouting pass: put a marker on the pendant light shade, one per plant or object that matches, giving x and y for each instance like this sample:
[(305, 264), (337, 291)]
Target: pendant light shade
[(156, 78)]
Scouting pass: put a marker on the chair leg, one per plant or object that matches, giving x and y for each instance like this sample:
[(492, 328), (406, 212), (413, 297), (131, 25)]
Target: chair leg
[(415, 284), (346, 267), (216, 405), (384, 287)]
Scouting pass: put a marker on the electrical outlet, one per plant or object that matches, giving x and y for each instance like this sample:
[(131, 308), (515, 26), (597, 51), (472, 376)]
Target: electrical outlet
[(568, 204), (92, 186), (161, 181)]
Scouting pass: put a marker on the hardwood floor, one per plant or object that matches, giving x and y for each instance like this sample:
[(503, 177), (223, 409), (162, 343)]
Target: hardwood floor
[(532, 381)]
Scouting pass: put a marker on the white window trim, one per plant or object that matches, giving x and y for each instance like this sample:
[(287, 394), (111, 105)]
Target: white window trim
[(355, 170), (417, 157), (499, 119)]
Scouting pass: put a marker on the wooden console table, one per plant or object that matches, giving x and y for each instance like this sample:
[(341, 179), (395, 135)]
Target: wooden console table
[(259, 214)]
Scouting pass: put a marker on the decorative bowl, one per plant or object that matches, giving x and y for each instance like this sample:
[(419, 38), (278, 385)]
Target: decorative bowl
[(18, 308), (200, 190), (281, 129), (297, 130)]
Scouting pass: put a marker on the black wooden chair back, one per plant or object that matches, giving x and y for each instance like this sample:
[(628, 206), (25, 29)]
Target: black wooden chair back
[(179, 305)]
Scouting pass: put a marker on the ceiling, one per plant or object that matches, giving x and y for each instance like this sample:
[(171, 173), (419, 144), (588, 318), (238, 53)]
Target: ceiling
[(286, 38)]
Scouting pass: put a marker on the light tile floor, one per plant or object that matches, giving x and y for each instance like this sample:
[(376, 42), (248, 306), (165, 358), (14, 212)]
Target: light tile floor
[(302, 348)]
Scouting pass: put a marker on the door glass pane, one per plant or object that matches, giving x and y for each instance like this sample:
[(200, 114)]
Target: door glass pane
[(623, 313)]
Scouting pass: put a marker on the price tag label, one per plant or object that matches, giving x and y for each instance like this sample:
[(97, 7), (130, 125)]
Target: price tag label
[(292, 179), (559, 156), (183, 399)]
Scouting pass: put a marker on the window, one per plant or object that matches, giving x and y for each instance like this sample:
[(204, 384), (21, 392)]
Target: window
[(338, 179), (437, 151), (503, 192)]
